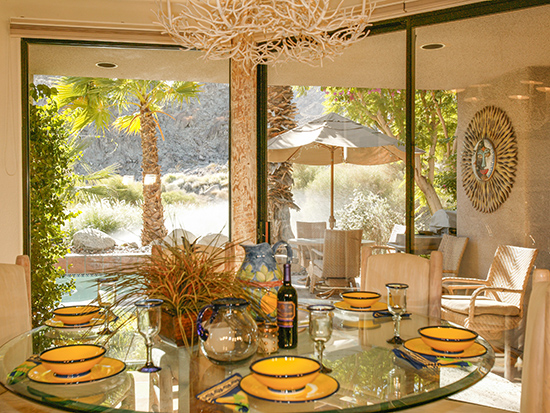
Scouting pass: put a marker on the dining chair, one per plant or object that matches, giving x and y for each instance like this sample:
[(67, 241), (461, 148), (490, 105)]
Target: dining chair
[(15, 298), (15, 319), (495, 306), (452, 248), (309, 230), (535, 379), (423, 276), (339, 264)]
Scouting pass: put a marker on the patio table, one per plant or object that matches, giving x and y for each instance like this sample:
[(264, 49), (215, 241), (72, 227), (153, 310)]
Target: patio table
[(370, 377)]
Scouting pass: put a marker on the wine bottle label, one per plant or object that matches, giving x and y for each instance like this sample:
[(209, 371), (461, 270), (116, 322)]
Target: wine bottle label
[(286, 312)]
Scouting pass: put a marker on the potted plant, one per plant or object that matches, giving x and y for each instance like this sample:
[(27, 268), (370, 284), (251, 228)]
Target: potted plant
[(186, 277)]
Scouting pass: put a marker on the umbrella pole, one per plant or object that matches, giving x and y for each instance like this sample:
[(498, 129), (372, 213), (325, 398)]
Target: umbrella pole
[(331, 220)]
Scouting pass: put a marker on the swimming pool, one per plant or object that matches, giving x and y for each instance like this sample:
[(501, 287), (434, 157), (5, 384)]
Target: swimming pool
[(85, 288)]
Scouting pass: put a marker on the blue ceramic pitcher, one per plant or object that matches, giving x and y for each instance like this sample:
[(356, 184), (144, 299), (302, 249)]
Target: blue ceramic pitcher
[(262, 276)]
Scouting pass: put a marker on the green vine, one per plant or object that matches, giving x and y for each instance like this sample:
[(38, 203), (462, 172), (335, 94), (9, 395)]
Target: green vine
[(51, 180)]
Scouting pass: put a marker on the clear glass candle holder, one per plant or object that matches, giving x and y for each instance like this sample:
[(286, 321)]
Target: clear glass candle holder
[(268, 338)]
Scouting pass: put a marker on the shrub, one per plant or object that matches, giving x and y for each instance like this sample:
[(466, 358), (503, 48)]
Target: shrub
[(371, 213), (303, 175), (107, 216), (170, 178), (179, 197), (113, 188)]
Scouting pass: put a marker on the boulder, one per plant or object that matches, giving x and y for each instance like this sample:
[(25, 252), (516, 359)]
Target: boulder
[(175, 237), (93, 239)]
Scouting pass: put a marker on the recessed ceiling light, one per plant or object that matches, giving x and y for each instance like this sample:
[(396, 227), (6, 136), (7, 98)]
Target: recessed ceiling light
[(545, 89), (518, 97), (106, 65), (432, 46), (530, 82)]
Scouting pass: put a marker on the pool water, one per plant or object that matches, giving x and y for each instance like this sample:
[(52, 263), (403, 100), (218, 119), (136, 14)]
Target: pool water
[(85, 288)]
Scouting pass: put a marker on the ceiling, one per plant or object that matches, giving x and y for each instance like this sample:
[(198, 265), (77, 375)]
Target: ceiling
[(475, 50)]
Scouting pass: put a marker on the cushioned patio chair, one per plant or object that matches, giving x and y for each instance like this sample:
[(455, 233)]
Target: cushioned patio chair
[(308, 230), (452, 249), (339, 264), (496, 305), (390, 245)]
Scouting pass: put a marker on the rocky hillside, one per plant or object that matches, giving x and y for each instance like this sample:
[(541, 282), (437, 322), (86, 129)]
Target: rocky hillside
[(196, 136)]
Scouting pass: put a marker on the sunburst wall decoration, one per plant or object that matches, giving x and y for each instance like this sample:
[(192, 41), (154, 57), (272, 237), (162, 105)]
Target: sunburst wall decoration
[(489, 159)]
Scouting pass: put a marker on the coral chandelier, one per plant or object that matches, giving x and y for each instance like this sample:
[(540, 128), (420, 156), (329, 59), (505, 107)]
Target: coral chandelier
[(265, 31)]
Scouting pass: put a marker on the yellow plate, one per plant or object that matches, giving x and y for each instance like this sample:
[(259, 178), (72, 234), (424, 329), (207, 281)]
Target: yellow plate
[(323, 386), (418, 346), (108, 367), (96, 321), (379, 306)]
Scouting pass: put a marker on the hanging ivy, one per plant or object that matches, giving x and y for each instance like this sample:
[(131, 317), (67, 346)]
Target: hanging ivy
[(51, 180)]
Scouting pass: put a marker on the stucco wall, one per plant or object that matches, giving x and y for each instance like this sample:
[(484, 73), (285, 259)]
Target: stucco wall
[(522, 219)]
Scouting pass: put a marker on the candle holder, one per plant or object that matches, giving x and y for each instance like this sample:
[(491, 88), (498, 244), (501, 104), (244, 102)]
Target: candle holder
[(268, 338)]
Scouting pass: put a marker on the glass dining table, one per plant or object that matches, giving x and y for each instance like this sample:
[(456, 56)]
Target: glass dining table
[(368, 375)]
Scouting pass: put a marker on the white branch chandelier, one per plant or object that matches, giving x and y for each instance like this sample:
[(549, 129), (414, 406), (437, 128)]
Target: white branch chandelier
[(266, 31)]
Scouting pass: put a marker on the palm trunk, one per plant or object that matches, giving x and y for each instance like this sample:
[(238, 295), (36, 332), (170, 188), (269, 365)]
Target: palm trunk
[(153, 214), (281, 113)]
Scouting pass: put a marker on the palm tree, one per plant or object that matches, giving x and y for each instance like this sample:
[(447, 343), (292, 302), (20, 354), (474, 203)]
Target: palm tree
[(93, 100), (280, 117)]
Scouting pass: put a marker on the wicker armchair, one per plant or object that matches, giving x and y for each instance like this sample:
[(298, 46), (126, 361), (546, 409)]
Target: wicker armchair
[(496, 305), (308, 230), (452, 249), (340, 262)]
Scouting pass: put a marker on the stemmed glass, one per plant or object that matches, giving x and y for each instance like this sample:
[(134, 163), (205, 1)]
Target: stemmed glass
[(320, 329), (106, 298), (148, 322), (397, 305)]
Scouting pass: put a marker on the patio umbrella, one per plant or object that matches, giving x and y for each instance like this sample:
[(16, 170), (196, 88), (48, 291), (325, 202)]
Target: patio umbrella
[(333, 139)]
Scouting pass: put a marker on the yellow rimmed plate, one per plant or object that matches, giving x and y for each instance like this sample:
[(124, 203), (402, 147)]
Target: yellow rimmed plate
[(96, 321), (321, 387), (418, 346), (378, 306), (108, 367)]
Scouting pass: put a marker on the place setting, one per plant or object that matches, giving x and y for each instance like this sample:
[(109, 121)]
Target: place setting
[(79, 317), (361, 302), (74, 364), (447, 342)]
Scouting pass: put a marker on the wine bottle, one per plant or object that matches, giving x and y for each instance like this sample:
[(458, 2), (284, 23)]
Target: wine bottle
[(287, 312)]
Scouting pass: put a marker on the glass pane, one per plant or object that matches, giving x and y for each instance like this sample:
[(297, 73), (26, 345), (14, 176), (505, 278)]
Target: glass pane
[(336, 159), (498, 80), (156, 170)]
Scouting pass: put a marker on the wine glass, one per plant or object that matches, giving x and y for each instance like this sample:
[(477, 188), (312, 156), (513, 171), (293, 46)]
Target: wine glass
[(106, 298), (148, 322), (320, 329), (397, 305)]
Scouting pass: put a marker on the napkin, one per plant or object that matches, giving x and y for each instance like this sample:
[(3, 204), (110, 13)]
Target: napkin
[(20, 372), (425, 361), (379, 314), (227, 392)]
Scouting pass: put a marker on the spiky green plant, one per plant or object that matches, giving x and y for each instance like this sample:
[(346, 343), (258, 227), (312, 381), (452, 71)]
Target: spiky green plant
[(186, 277)]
